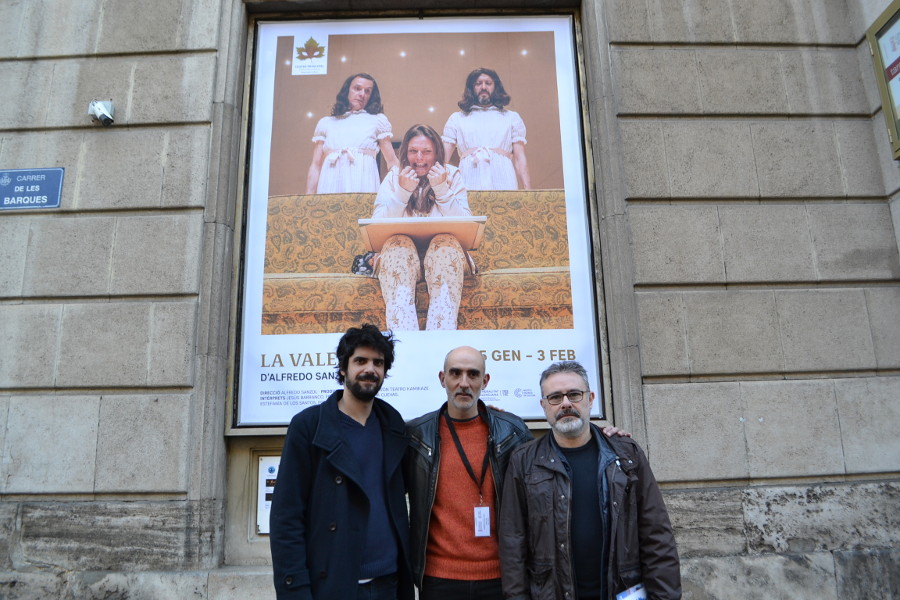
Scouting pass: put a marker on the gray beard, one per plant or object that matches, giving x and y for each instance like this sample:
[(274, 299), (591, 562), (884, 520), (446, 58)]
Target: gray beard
[(569, 428)]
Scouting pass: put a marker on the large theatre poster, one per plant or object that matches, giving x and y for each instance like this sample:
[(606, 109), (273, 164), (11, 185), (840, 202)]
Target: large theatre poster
[(425, 176)]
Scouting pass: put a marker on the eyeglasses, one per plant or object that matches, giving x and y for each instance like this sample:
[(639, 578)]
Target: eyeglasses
[(574, 397)]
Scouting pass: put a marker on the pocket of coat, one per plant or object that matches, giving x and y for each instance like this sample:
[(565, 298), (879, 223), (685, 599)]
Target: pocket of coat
[(539, 574)]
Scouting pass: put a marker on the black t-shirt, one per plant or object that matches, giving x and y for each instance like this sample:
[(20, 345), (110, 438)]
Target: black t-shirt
[(585, 522)]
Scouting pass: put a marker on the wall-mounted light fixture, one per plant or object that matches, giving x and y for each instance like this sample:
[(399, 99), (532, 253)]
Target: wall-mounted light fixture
[(102, 112)]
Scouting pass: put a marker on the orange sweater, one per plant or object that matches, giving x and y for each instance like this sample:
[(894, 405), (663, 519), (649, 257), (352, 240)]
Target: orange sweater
[(453, 550)]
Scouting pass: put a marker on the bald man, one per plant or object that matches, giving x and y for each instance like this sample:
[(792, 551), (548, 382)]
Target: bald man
[(455, 465)]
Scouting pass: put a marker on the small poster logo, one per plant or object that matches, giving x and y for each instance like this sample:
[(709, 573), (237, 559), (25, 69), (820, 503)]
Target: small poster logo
[(5, 180), (310, 50)]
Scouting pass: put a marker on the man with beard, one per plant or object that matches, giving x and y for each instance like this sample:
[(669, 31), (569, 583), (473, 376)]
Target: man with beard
[(490, 138), (339, 526), (582, 516)]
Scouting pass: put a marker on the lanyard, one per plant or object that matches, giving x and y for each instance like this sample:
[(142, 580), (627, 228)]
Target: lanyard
[(465, 460)]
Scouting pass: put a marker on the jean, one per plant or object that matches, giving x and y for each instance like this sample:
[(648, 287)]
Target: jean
[(380, 588), (436, 588)]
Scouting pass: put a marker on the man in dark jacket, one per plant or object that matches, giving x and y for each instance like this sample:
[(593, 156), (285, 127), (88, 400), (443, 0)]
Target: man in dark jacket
[(582, 516), (339, 527), (455, 465)]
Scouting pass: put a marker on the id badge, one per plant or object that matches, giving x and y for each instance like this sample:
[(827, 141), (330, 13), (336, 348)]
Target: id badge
[(633, 593), (482, 521)]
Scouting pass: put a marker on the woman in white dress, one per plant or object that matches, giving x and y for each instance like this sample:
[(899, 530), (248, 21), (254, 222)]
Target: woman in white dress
[(347, 142)]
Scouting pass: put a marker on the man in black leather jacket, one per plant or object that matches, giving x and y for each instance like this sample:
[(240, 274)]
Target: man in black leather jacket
[(455, 466)]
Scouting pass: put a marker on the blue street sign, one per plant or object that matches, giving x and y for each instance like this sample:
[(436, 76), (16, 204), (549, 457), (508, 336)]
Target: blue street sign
[(30, 188)]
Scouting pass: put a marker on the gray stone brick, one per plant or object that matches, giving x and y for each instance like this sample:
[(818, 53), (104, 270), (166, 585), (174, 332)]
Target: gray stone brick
[(676, 244), (793, 21), (767, 243), (12, 14), (824, 330), (690, 21), (34, 76), (883, 305), (680, 418), (69, 257), (173, 88), (796, 159), (854, 241), (142, 444), (172, 344), (860, 164), (872, 574), (822, 517), (732, 332), (104, 345), (51, 444), (78, 81), (759, 577), (628, 21), (169, 25), (663, 337), (23, 585), (736, 81), (8, 512), (710, 159), (141, 586), (824, 81), (56, 29), (185, 167), (14, 233), (112, 536), (707, 522), (157, 255), (247, 583), (656, 81), (643, 157), (786, 424), (869, 413), (28, 344)]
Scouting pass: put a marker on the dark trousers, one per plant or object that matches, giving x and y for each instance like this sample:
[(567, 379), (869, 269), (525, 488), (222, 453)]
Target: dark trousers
[(435, 588), (380, 588)]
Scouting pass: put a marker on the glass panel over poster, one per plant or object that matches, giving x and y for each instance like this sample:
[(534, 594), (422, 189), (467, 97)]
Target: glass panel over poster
[(425, 176)]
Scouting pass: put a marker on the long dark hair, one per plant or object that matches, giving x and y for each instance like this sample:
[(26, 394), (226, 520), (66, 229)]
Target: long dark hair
[(499, 98), (342, 104), (423, 199)]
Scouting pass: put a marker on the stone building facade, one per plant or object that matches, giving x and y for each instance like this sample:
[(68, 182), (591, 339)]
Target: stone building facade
[(745, 204)]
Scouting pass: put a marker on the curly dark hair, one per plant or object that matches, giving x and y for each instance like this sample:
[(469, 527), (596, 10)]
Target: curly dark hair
[(423, 199), (367, 336), (499, 98), (342, 104)]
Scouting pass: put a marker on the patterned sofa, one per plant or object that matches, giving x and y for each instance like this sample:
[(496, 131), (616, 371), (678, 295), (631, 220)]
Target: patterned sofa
[(311, 241)]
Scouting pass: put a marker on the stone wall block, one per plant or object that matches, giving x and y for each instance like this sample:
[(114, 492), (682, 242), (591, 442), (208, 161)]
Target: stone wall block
[(709, 159), (690, 21), (132, 151), (173, 88), (643, 157), (627, 21), (741, 81), (12, 13), (69, 257), (185, 166), (733, 332), (14, 233), (883, 305), (674, 244), (77, 81), (244, 583), (142, 444), (34, 76), (104, 345), (822, 517), (793, 21), (51, 444), (110, 536), (681, 451), (763, 577), (825, 81), (8, 513), (173, 341), (157, 255), (854, 241), (45, 148), (143, 586), (663, 339), (4, 412), (869, 410), (786, 425), (767, 243), (160, 27), (796, 159), (22, 585), (871, 574), (656, 81), (66, 28), (29, 336), (824, 330), (860, 164), (707, 522)]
